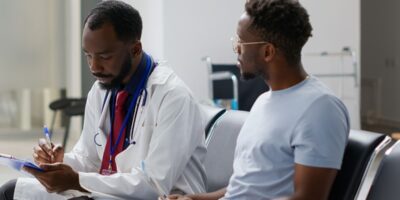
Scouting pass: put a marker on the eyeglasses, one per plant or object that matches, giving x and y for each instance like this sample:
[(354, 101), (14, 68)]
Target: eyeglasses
[(237, 45)]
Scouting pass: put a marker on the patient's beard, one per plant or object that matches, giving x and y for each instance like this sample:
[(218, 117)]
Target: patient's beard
[(247, 76)]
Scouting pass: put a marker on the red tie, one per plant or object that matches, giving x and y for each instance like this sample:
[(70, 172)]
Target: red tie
[(119, 118)]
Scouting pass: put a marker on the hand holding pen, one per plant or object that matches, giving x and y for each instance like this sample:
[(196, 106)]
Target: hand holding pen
[(46, 151), (49, 145)]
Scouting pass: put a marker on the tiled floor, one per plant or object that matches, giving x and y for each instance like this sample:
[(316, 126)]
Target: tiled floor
[(20, 144)]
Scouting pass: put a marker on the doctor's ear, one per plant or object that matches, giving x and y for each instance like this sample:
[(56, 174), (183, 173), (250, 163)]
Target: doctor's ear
[(269, 52), (136, 48)]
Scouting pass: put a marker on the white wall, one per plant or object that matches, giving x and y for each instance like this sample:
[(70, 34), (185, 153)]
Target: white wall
[(194, 29), (152, 12), (188, 30), (25, 47), (336, 24), (73, 58), (183, 32), (30, 44), (31, 53)]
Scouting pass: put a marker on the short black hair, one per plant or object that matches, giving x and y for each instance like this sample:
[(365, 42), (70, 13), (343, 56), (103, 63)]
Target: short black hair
[(124, 18), (284, 23)]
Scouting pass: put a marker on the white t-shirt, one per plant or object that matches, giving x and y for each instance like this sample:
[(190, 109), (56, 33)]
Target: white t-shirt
[(304, 124)]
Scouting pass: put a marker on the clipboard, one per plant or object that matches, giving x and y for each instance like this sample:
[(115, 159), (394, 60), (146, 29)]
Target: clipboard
[(17, 164)]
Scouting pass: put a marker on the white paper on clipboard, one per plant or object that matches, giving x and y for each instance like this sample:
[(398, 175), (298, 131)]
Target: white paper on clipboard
[(17, 164)]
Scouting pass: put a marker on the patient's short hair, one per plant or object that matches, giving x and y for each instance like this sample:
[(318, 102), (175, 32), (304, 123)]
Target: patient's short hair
[(284, 23)]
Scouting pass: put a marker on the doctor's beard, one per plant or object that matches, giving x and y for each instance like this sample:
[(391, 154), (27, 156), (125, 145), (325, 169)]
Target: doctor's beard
[(117, 81)]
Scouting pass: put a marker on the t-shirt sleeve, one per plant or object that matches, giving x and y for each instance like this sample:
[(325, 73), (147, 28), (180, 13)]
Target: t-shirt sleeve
[(320, 136)]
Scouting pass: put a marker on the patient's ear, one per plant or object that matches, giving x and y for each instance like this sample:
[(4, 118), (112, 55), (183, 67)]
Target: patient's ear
[(269, 52)]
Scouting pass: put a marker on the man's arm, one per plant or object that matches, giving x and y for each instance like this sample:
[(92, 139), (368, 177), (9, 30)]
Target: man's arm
[(312, 182), (309, 183), (205, 196), (319, 144), (57, 177)]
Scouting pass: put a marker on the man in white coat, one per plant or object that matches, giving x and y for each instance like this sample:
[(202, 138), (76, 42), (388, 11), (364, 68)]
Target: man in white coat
[(136, 113)]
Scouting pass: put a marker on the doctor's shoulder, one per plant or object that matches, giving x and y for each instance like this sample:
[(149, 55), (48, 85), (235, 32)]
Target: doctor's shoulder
[(166, 81)]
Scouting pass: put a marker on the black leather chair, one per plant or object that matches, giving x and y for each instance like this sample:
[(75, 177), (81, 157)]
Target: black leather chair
[(387, 181), (359, 154), (362, 150), (69, 107), (221, 143)]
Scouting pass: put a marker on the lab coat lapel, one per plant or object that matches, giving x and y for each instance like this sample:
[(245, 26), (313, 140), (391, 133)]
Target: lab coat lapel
[(104, 125)]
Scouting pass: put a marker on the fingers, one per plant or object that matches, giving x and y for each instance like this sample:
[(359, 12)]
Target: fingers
[(43, 144), (49, 167), (34, 172), (40, 156), (174, 196), (42, 179), (46, 148), (58, 151), (52, 166), (58, 148)]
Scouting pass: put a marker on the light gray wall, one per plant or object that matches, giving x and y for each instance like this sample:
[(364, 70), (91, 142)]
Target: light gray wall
[(152, 13), (30, 38), (32, 50), (194, 29), (183, 31), (336, 24), (87, 77)]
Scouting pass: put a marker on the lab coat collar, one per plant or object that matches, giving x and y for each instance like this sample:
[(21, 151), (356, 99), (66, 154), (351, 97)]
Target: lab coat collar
[(159, 76)]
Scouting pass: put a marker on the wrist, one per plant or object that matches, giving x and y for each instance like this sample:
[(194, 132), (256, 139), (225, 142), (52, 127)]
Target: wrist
[(77, 185)]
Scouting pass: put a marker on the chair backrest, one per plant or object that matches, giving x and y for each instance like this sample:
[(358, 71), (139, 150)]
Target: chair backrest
[(63, 103), (358, 155), (387, 181), (210, 115), (221, 143)]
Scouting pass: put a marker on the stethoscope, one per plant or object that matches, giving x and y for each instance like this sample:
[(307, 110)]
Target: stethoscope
[(141, 102)]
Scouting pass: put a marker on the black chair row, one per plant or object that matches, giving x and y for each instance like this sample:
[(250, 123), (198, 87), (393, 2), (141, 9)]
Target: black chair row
[(363, 155)]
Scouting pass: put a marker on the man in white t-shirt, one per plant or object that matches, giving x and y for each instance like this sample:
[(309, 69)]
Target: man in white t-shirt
[(293, 140)]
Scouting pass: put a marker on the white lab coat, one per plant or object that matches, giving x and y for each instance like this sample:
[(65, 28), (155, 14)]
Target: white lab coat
[(169, 136)]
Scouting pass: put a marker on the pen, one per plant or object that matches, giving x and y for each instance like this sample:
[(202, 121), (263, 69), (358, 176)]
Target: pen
[(47, 135), (6, 156), (48, 141)]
